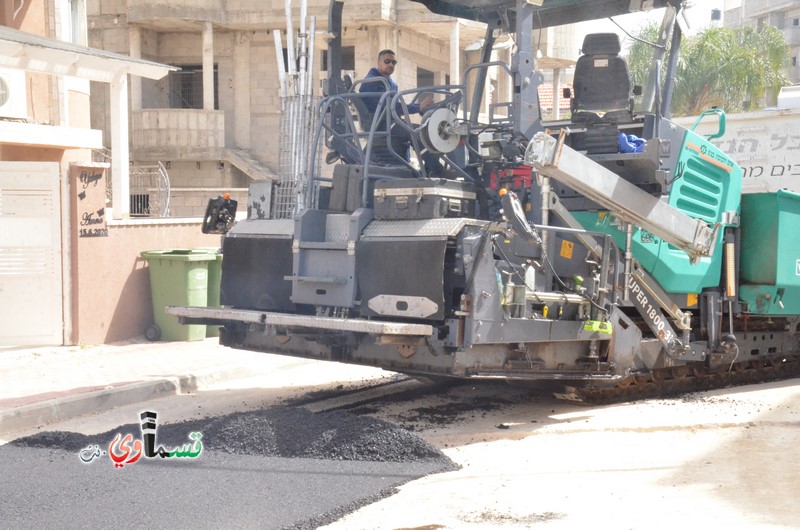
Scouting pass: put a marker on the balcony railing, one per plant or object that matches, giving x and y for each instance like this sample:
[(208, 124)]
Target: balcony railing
[(171, 134)]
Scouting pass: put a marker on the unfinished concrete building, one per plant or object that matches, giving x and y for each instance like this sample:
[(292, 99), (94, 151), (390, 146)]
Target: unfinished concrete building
[(213, 126)]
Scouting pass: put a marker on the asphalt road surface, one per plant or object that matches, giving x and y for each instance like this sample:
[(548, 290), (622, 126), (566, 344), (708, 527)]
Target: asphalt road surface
[(726, 458), (274, 467), (47, 488)]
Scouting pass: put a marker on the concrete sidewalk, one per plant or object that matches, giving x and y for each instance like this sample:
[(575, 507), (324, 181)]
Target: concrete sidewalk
[(48, 384)]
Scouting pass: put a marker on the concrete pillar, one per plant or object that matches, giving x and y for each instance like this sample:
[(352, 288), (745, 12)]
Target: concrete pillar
[(208, 66), (455, 53), (241, 90), (120, 154), (135, 40), (556, 93), (509, 78), (488, 97)]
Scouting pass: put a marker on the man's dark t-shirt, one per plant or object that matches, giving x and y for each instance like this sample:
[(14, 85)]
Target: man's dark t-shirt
[(378, 89)]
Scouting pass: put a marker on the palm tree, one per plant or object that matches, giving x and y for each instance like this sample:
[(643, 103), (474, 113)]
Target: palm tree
[(731, 68), (640, 54)]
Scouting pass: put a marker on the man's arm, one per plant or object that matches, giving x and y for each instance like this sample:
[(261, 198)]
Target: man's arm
[(418, 108)]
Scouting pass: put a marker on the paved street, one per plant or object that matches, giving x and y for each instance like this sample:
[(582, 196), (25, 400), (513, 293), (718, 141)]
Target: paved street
[(241, 478), (54, 489), (726, 457)]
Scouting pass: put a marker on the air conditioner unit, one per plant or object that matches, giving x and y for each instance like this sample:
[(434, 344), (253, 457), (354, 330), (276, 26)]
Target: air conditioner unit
[(13, 94)]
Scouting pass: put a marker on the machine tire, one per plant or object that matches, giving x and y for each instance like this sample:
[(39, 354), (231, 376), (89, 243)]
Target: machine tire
[(153, 333)]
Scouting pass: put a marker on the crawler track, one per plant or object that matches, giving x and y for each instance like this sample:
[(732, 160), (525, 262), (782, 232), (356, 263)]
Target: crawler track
[(683, 379)]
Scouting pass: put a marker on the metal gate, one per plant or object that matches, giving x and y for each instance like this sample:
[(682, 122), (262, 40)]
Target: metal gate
[(30, 254), (150, 191)]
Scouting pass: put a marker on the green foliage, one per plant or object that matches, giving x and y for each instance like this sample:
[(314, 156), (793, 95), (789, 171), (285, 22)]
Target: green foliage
[(724, 67), (640, 56)]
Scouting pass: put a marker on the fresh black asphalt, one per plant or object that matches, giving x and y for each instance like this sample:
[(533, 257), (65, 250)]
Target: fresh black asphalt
[(275, 468)]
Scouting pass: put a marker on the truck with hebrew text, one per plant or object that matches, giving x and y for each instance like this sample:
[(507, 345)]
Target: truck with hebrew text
[(765, 144)]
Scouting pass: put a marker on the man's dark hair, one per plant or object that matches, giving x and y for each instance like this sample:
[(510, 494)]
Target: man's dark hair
[(385, 52)]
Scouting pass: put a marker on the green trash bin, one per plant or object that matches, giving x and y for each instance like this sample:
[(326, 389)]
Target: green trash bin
[(177, 277), (214, 282)]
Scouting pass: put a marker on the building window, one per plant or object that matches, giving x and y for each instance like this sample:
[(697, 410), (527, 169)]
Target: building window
[(140, 204), (71, 23), (348, 59), (424, 77), (186, 88), (794, 61), (796, 22), (76, 33)]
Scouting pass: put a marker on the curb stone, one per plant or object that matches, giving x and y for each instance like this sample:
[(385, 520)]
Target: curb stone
[(33, 415)]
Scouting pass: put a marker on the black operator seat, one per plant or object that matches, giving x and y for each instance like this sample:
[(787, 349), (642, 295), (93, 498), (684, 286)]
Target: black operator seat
[(601, 102), (363, 113), (389, 164), (602, 83), (380, 151)]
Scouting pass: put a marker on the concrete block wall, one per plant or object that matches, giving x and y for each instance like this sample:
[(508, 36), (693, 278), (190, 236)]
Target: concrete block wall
[(150, 40), (111, 7), (414, 50), (177, 48), (189, 203), (187, 129), (111, 287), (421, 51), (184, 174), (116, 39), (271, 12), (365, 56), (265, 101), (193, 183), (190, 4)]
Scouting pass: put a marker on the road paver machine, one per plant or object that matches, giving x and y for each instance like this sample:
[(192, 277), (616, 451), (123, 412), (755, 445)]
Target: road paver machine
[(612, 251)]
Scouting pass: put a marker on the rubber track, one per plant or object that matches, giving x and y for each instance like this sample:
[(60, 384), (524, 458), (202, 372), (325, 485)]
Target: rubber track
[(684, 379)]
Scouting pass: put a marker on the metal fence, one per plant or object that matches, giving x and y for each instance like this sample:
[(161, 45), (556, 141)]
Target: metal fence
[(298, 125), (298, 115), (149, 186)]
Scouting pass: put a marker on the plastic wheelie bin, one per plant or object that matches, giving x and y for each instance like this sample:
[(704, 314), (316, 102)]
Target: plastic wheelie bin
[(214, 282), (177, 277)]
